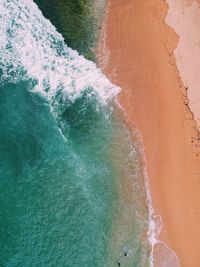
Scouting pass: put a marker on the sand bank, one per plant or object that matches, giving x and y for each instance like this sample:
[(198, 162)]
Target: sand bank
[(184, 17), (139, 58)]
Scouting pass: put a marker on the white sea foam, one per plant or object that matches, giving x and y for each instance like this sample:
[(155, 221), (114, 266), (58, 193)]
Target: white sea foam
[(30, 43), (161, 255)]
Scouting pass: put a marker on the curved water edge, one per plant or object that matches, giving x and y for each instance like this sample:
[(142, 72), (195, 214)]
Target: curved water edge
[(64, 151), (32, 48), (78, 21), (160, 254)]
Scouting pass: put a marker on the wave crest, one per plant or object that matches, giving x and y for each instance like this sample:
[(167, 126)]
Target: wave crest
[(31, 48)]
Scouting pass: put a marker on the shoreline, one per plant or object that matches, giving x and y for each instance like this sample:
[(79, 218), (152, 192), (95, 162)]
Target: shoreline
[(139, 58)]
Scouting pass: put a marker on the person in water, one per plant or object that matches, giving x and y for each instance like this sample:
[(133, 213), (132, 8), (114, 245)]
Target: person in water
[(125, 254)]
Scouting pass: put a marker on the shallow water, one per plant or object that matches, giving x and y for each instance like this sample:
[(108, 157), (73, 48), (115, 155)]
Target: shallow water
[(71, 186)]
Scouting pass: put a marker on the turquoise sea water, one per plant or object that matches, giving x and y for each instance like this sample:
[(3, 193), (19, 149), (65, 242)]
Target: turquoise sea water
[(71, 187)]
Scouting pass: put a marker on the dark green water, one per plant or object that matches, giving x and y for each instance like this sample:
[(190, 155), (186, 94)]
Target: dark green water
[(77, 20), (63, 151)]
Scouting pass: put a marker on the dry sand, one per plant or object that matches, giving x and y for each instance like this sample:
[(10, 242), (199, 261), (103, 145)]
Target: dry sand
[(139, 58), (184, 18)]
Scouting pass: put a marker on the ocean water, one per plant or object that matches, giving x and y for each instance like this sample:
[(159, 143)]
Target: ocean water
[(72, 189), (79, 22)]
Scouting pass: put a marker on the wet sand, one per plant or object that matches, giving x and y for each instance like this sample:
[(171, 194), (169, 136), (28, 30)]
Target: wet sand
[(136, 53)]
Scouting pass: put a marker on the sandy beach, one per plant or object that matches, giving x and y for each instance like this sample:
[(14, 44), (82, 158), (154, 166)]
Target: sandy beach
[(137, 53)]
